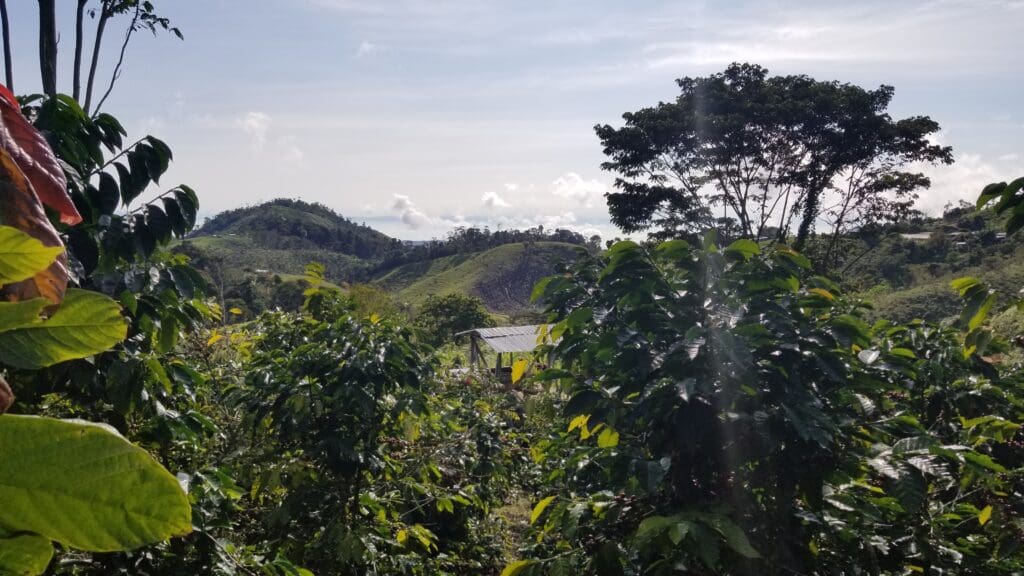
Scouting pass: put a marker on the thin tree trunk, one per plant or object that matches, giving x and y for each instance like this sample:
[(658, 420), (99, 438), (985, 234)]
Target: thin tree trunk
[(8, 67), (79, 24), (120, 60), (105, 15), (48, 46)]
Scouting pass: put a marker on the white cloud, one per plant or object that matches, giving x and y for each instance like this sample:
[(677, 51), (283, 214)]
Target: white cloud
[(256, 125), (408, 213), (574, 187), (367, 49), (963, 180), (492, 200)]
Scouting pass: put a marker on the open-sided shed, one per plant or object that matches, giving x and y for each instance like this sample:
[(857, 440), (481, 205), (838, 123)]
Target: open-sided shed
[(503, 340)]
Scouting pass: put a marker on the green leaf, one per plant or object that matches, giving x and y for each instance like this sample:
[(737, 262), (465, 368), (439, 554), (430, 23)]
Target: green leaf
[(24, 554), (22, 256), (518, 567), (15, 314), (734, 536), (539, 508), (608, 438), (744, 248), (85, 486), (86, 323), (985, 515)]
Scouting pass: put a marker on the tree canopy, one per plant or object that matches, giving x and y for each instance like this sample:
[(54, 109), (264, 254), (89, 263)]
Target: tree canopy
[(759, 156)]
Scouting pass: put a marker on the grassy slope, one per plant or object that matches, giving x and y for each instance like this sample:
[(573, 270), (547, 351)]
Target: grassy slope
[(239, 251), (503, 276)]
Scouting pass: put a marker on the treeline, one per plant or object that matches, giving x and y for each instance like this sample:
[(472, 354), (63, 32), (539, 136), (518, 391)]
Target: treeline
[(286, 224), (466, 240)]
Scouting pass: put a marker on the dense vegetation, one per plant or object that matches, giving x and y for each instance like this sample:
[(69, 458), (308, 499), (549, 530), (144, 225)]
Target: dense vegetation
[(693, 406)]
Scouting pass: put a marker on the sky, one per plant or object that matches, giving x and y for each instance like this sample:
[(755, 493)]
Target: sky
[(416, 116)]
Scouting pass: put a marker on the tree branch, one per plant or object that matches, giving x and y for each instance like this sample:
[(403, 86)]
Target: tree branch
[(105, 14), (120, 59)]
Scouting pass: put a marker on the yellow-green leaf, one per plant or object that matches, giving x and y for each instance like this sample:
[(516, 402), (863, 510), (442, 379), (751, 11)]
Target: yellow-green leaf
[(518, 369), (236, 311), (539, 508), (24, 554), (517, 567), (22, 256), (402, 536), (86, 323), (578, 422), (214, 338), (117, 498), (608, 438), (985, 515)]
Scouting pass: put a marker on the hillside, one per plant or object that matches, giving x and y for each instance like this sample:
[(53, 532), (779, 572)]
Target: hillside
[(294, 225), (905, 273), (503, 277)]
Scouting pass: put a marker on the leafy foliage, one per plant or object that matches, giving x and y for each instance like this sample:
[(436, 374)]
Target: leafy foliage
[(769, 151), (752, 422), (442, 317)]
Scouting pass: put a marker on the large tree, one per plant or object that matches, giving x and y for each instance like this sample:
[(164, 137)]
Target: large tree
[(762, 156)]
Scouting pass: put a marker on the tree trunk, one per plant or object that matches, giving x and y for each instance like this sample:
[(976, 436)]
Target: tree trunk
[(79, 24), (8, 67), (105, 15), (48, 46)]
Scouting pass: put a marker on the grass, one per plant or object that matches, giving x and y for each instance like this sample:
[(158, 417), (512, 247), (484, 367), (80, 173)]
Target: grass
[(503, 277)]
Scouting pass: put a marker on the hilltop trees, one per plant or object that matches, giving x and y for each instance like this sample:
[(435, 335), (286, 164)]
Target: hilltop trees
[(763, 157)]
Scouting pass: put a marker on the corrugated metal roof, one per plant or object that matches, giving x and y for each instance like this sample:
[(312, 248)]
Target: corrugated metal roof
[(508, 338)]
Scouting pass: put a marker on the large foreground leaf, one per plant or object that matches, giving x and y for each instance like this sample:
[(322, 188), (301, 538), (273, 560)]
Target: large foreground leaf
[(20, 208), (86, 323), (34, 157), (22, 256), (24, 554), (86, 487)]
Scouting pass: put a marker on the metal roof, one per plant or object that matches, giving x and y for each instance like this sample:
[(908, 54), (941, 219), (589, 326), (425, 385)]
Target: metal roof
[(509, 338)]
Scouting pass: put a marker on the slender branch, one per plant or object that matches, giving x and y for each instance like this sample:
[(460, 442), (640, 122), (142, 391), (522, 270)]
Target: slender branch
[(79, 39), (8, 66), (106, 12), (116, 156), (120, 59)]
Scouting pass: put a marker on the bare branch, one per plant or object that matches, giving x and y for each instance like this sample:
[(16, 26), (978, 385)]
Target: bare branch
[(120, 59)]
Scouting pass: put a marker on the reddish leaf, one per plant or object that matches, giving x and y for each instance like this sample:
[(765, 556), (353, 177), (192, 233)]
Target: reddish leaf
[(33, 155), (21, 208), (6, 396)]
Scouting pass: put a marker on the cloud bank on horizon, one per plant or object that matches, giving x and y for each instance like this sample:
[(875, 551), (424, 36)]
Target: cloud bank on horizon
[(417, 116)]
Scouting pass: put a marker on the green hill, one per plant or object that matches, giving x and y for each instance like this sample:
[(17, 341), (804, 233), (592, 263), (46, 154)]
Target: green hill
[(503, 277), (286, 224)]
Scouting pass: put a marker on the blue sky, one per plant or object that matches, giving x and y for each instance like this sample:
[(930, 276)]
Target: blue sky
[(415, 116)]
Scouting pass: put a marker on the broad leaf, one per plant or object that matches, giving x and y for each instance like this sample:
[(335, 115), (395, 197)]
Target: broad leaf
[(518, 567), (24, 554), (35, 159), (87, 323), (22, 256), (539, 508), (21, 209), (85, 486)]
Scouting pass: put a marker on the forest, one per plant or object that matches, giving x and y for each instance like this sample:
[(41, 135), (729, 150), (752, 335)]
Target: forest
[(729, 395)]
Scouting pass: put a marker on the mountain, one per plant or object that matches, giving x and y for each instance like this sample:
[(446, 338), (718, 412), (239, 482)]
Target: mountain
[(284, 235), (503, 277), (265, 248)]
